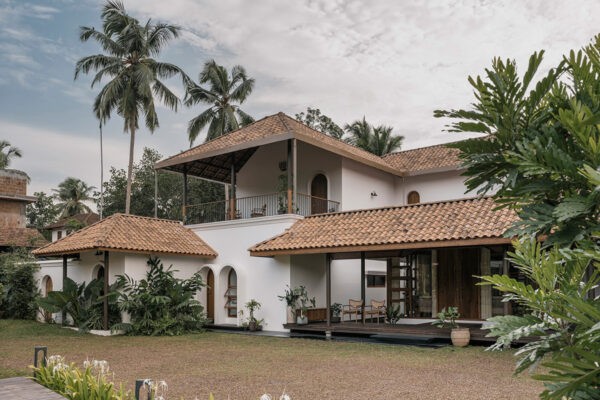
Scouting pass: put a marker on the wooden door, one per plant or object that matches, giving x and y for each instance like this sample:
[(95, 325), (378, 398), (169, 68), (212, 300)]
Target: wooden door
[(210, 295), (318, 191), (49, 286), (456, 281)]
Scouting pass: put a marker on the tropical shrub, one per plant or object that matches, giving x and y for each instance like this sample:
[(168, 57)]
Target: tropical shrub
[(161, 304), (84, 304), (17, 276), (393, 314), (89, 383)]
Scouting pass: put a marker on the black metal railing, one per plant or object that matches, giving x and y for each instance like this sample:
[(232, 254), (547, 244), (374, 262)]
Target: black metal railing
[(257, 206)]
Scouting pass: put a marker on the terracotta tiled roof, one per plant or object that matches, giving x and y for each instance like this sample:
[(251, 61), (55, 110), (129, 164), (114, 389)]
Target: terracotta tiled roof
[(84, 218), (425, 159), (427, 225), (132, 234), (272, 129), (21, 237)]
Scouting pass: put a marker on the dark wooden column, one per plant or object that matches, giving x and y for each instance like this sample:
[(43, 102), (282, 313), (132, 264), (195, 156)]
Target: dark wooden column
[(232, 200), (185, 194), (105, 302), (328, 287), (362, 283), (290, 176), (64, 278)]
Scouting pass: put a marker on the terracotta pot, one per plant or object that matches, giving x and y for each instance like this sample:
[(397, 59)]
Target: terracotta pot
[(460, 336)]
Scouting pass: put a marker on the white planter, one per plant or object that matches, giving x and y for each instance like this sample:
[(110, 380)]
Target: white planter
[(302, 320), (291, 318)]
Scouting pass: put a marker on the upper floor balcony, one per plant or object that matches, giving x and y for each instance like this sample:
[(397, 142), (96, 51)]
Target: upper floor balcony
[(258, 206)]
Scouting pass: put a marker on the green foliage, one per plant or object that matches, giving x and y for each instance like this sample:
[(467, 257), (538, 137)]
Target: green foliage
[(378, 140), (7, 153), (170, 190), (224, 92), (161, 304), (83, 303), (90, 383), (17, 276), (447, 318), (321, 122), (71, 194), (564, 316), (291, 297), (543, 141), (393, 314), (336, 309), (42, 212)]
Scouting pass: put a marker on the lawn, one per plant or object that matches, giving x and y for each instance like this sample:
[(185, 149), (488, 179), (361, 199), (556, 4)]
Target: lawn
[(244, 367)]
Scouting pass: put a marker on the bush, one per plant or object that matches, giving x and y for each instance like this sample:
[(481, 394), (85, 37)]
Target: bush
[(161, 304), (68, 380), (84, 304), (19, 294)]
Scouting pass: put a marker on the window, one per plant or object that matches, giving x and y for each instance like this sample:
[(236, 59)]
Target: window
[(58, 235), (376, 281), (231, 294), (413, 198)]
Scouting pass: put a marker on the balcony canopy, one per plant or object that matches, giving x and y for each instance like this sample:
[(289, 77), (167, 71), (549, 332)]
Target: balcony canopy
[(214, 159)]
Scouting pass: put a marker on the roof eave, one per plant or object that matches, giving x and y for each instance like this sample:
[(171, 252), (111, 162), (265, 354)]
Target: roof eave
[(382, 247), (117, 250)]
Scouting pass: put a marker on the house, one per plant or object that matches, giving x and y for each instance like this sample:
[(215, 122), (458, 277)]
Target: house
[(65, 226), (303, 208), (13, 221)]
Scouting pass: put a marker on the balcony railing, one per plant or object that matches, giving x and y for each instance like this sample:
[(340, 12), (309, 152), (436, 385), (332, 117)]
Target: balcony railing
[(258, 206)]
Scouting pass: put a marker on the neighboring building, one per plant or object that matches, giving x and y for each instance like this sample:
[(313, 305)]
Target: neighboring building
[(306, 209), (65, 226), (13, 221)]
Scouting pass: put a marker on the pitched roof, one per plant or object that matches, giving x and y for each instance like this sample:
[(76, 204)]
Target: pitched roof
[(425, 159), (21, 237), (133, 234), (426, 225), (246, 140), (83, 218)]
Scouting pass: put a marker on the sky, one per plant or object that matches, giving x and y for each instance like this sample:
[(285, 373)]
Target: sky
[(392, 61)]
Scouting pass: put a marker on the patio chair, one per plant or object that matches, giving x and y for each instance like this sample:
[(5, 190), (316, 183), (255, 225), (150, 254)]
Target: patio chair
[(354, 307), (259, 212), (376, 309)]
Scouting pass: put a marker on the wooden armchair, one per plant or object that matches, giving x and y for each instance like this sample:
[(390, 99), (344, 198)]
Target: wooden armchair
[(376, 309), (354, 307)]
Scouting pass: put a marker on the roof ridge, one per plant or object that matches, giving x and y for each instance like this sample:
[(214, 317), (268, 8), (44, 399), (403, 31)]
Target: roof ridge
[(360, 210), (422, 148)]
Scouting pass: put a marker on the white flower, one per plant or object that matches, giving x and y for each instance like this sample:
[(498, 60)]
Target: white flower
[(55, 359), (163, 385), (148, 383), (265, 397), (284, 396)]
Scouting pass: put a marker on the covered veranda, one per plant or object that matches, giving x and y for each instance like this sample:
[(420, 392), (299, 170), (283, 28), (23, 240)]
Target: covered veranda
[(433, 253)]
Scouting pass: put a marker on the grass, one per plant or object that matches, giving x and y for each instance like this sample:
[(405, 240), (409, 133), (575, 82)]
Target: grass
[(244, 367)]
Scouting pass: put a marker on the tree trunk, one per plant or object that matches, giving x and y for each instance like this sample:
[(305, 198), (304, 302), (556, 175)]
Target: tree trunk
[(130, 167)]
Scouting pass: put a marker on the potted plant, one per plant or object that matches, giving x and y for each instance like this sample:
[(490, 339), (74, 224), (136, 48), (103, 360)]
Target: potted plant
[(302, 319), (447, 318), (253, 323), (290, 297), (393, 314), (336, 309)]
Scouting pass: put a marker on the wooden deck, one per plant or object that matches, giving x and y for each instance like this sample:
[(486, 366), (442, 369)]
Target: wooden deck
[(22, 388), (415, 332)]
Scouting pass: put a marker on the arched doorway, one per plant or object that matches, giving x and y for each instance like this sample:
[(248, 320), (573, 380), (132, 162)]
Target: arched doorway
[(231, 294), (48, 285), (318, 192), (100, 272), (210, 295)]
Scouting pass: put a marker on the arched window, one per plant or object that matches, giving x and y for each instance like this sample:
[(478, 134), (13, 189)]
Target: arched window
[(231, 294), (318, 193), (99, 272), (48, 286), (413, 198)]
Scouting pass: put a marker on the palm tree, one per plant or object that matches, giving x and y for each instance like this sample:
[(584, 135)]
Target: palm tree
[(71, 194), (10, 153), (378, 140), (224, 91), (133, 72)]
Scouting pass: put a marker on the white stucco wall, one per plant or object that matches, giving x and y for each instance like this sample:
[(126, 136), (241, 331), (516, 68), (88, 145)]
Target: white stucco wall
[(439, 186), (309, 271), (359, 181), (259, 278)]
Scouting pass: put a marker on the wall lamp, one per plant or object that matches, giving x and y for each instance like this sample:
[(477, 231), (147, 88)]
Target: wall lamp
[(373, 194)]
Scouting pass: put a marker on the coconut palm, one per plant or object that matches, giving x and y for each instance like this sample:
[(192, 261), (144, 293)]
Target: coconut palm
[(378, 140), (224, 94), (7, 153), (71, 194), (133, 72)]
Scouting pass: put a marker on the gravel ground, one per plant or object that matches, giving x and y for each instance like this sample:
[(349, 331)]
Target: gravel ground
[(244, 367)]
